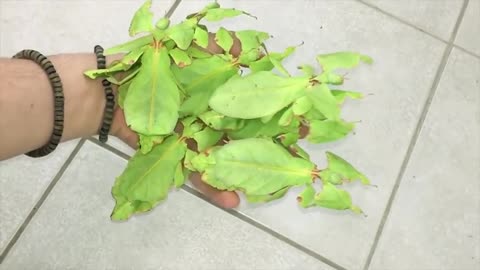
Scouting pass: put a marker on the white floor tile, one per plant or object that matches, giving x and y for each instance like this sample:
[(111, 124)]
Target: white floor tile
[(435, 220), (73, 230), (437, 17), (22, 182), (405, 64), (469, 33)]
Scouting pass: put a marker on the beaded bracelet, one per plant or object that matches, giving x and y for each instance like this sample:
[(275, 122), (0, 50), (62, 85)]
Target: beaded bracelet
[(59, 101), (110, 98)]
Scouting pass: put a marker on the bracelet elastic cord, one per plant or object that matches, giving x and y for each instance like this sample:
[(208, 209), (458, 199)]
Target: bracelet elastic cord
[(59, 100), (110, 98)]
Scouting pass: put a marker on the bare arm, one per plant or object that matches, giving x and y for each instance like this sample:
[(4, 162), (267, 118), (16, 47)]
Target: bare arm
[(26, 102)]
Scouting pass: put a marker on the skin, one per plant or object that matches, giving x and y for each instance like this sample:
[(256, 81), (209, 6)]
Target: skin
[(26, 107)]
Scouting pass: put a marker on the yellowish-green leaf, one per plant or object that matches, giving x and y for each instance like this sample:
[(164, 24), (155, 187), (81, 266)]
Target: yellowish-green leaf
[(142, 20), (130, 45), (207, 138), (180, 177), (219, 121), (147, 142), (341, 95), (307, 197), (263, 93), (147, 178), (255, 166), (224, 39), (153, 99), (346, 60), (180, 57), (200, 37), (323, 101), (182, 34), (268, 197), (333, 198), (302, 105), (328, 130), (339, 171), (218, 14)]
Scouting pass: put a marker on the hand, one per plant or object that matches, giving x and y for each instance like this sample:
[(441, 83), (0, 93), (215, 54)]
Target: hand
[(225, 199)]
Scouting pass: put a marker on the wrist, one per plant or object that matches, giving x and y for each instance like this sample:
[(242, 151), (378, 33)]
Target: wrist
[(84, 98)]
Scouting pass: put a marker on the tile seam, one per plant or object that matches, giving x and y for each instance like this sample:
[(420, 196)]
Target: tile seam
[(40, 202), (236, 214), (416, 134)]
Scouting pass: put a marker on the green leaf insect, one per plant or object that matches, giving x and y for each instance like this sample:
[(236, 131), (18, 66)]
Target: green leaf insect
[(341, 95), (182, 33), (125, 64), (263, 92), (200, 79), (224, 39), (256, 166), (219, 121), (122, 94), (328, 130), (323, 101), (218, 14), (346, 60), (265, 63), (153, 99), (142, 20), (255, 128), (200, 37), (147, 142), (147, 178), (180, 57), (244, 114), (339, 171), (307, 197), (207, 138), (130, 45), (333, 198), (302, 105)]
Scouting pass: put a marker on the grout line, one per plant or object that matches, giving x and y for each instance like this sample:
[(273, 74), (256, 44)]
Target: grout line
[(265, 229), (109, 148), (236, 214), (401, 20), (466, 51), (40, 202), (416, 134)]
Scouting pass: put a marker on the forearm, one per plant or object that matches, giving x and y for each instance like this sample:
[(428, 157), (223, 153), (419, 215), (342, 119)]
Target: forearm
[(27, 103)]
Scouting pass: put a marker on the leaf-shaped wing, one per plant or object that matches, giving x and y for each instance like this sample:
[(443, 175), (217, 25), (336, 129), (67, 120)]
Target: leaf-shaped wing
[(218, 14), (328, 130), (263, 93), (339, 170), (332, 197), (341, 95), (142, 20), (182, 34), (323, 101), (200, 79), (200, 37), (257, 167), (130, 45), (224, 39), (347, 60), (180, 57), (153, 98), (306, 198), (147, 178), (206, 138)]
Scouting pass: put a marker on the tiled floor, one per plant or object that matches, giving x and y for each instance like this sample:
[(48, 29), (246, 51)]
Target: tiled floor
[(419, 142)]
